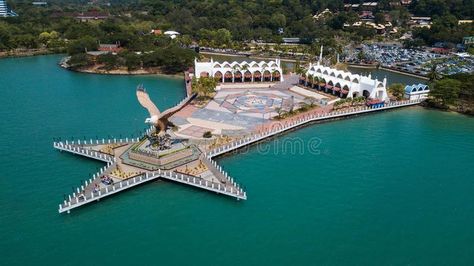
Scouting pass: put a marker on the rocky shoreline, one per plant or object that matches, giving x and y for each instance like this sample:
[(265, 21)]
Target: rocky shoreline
[(26, 53), (96, 69)]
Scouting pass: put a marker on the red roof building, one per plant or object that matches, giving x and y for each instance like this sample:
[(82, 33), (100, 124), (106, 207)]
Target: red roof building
[(113, 48)]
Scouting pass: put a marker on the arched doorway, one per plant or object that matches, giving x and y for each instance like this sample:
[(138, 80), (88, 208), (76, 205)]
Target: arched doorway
[(329, 87), (238, 76), (344, 91), (267, 76), (322, 84), (276, 75), (337, 89), (218, 76), (228, 76), (366, 93), (247, 76), (257, 76), (204, 74)]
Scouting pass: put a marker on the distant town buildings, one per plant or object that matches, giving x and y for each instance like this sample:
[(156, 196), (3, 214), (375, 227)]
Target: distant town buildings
[(83, 16), (112, 48), (468, 40), (420, 22), (363, 6), (323, 14), (291, 40), (5, 11), (39, 3), (380, 28), (366, 15), (156, 32), (172, 34), (91, 15), (465, 21)]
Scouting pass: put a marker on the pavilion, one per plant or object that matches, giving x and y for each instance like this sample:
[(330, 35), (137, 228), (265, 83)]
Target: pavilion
[(234, 72), (344, 84), (416, 91)]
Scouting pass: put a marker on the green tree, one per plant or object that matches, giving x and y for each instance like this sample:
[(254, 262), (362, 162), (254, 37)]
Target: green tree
[(379, 18), (79, 61), (223, 37), (132, 61), (86, 43), (446, 91), (278, 20), (397, 90), (110, 61), (434, 75), (204, 86), (25, 41)]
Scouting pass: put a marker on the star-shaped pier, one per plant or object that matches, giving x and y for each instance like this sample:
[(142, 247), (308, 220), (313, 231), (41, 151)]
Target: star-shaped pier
[(194, 168)]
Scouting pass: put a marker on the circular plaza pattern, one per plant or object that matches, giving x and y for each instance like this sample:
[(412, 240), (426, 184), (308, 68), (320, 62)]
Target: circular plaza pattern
[(253, 102)]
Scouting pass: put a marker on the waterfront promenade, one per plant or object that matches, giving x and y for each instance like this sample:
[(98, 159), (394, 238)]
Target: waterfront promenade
[(289, 124), (90, 192)]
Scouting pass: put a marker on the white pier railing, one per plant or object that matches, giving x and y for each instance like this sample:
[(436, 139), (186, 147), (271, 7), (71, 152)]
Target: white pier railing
[(81, 147), (81, 197), (202, 183), (223, 174), (92, 142), (83, 152), (284, 126)]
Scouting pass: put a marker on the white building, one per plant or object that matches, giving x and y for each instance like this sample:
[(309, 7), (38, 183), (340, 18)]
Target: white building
[(345, 84), (417, 91), (171, 33), (5, 11), (240, 71)]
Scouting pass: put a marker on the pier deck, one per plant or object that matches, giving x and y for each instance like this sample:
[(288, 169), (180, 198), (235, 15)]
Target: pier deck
[(94, 189)]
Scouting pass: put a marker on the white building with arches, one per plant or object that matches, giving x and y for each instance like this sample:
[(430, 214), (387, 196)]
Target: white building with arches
[(417, 91), (345, 84), (230, 72)]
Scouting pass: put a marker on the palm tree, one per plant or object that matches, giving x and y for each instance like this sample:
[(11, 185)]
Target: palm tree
[(279, 111), (434, 74)]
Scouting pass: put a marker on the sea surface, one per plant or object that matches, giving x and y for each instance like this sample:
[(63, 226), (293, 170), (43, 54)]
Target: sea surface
[(392, 188)]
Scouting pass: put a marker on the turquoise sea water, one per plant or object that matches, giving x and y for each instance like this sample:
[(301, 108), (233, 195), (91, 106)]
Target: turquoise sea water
[(391, 188)]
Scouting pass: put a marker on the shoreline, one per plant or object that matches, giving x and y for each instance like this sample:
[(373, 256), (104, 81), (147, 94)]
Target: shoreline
[(362, 66), (429, 106), (27, 53), (140, 72), (404, 73)]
